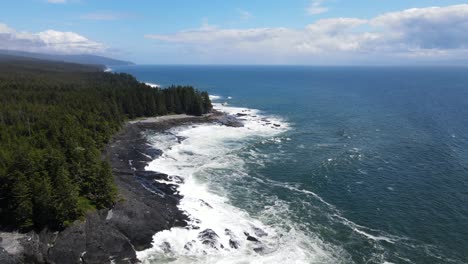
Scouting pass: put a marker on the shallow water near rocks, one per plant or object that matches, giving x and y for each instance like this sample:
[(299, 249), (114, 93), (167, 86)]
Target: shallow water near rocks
[(333, 165)]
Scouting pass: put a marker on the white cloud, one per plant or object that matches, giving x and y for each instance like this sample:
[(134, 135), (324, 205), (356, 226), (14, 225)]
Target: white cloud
[(316, 7), (48, 41), (435, 32), (427, 28)]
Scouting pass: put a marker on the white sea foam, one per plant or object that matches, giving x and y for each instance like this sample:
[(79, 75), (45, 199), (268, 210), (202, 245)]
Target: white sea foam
[(209, 151), (369, 233), (215, 97), (153, 85)]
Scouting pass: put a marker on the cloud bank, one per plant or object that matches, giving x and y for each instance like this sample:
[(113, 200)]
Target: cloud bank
[(425, 33), (49, 41)]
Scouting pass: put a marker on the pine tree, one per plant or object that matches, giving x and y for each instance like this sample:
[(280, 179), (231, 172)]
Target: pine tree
[(22, 205)]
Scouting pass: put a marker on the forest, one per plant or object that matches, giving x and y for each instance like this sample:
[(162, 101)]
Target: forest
[(55, 120)]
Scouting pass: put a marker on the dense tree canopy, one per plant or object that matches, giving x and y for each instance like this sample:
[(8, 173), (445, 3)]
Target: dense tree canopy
[(54, 123)]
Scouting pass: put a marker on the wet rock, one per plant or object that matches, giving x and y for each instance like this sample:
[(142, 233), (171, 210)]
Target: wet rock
[(241, 114), (259, 232), (233, 244), (153, 153), (166, 247), (259, 250), (177, 179), (167, 189), (203, 203), (253, 239), (151, 175), (188, 246), (250, 238), (6, 258), (209, 237), (230, 121), (277, 125)]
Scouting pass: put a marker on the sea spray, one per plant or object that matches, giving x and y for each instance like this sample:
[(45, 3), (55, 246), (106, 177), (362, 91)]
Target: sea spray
[(219, 232)]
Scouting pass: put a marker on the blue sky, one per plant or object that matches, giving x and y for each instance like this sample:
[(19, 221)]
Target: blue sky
[(242, 32)]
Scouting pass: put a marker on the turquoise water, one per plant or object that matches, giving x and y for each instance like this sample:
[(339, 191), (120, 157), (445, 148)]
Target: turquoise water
[(373, 166)]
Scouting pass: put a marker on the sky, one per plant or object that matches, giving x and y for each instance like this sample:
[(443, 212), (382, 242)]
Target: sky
[(302, 32)]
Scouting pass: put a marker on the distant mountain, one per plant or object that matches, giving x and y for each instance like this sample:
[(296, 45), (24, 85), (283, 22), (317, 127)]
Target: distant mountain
[(16, 64), (80, 58)]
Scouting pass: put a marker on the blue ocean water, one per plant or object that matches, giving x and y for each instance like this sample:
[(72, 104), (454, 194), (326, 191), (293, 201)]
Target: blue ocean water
[(374, 164)]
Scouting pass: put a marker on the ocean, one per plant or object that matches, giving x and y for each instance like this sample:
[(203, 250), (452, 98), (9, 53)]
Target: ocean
[(333, 165)]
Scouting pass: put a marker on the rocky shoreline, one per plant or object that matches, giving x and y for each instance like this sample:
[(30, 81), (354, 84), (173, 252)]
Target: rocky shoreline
[(143, 208)]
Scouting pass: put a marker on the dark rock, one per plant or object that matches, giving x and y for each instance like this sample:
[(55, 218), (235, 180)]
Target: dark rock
[(177, 179), (233, 244), (70, 245), (203, 203), (180, 139), (259, 232), (241, 114), (92, 241), (152, 175), (6, 258), (36, 246), (231, 121), (153, 153), (253, 239), (259, 250), (250, 238), (209, 237), (188, 246), (166, 247)]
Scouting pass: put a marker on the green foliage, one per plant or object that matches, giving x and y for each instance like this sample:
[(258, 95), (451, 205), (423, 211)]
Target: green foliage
[(54, 124), (84, 205)]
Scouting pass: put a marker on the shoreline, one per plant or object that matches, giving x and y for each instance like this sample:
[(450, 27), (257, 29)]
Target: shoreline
[(143, 207)]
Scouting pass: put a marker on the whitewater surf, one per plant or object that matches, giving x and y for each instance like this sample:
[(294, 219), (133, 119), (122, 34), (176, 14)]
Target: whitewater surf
[(201, 157)]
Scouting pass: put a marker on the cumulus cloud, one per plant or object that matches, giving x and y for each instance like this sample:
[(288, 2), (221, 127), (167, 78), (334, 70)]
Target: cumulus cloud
[(423, 32), (47, 41), (427, 28)]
